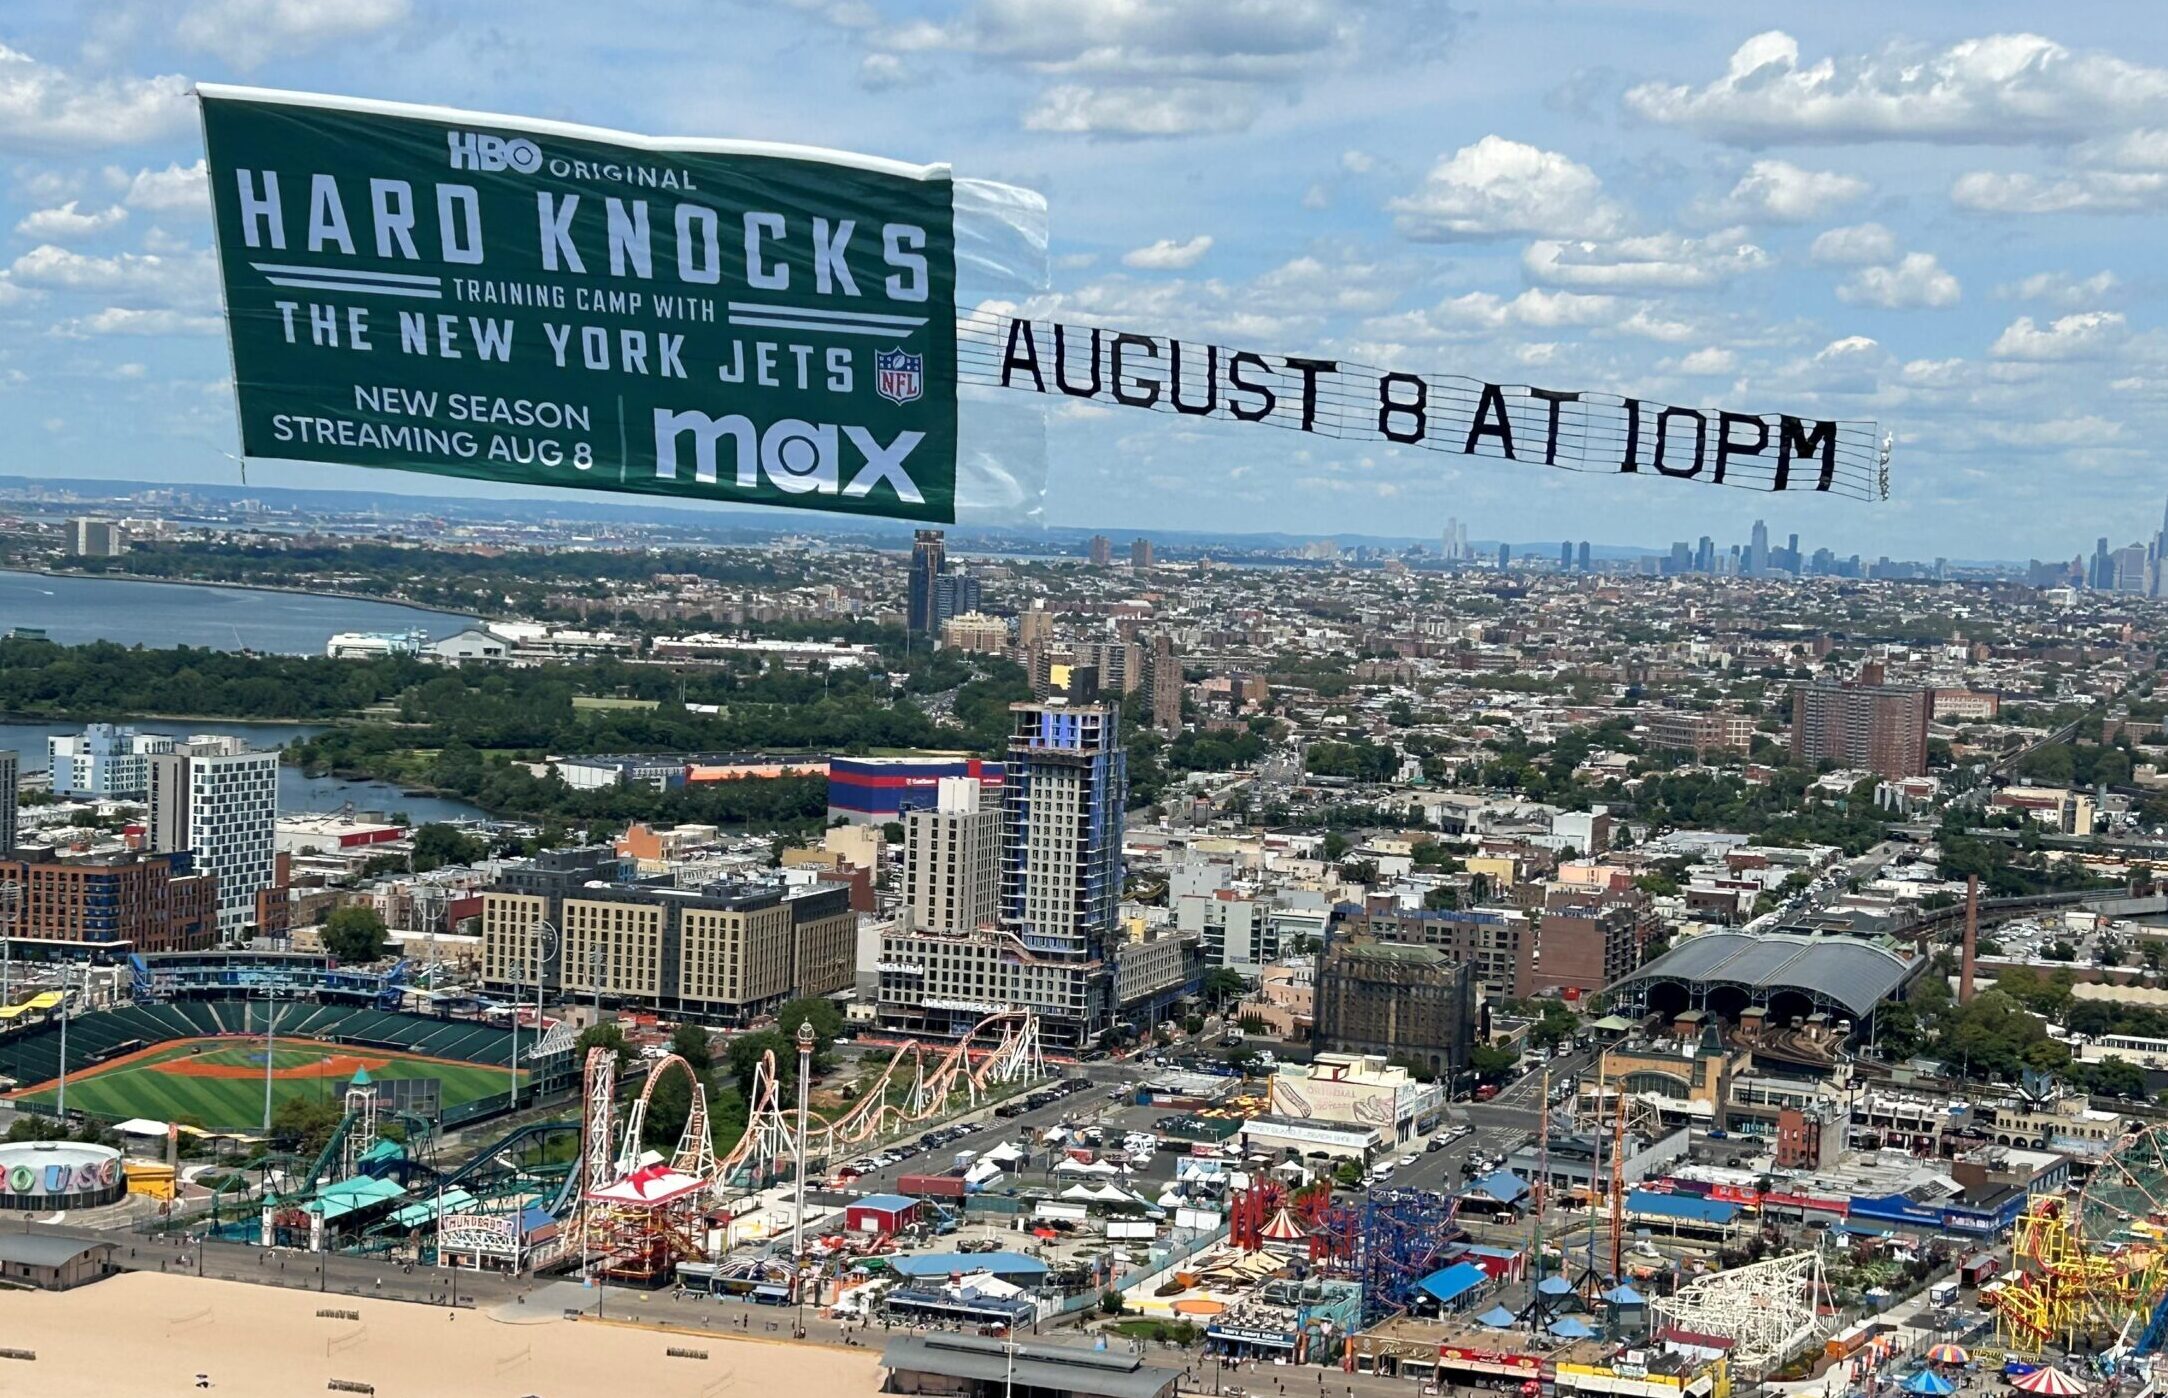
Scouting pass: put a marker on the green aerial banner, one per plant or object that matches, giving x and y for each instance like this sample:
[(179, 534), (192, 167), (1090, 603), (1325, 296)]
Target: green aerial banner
[(524, 301)]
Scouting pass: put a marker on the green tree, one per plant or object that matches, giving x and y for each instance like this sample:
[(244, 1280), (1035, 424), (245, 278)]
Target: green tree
[(609, 1035), (1223, 986), (304, 1125), (355, 935), (1489, 1062), (818, 1011), (437, 845)]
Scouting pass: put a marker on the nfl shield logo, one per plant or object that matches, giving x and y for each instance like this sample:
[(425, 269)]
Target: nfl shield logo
[(898, 375)]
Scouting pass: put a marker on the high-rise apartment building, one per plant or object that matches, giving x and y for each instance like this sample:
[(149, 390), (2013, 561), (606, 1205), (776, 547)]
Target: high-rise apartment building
[(952, 860), (1705, 555), (528, 894), (96, 538), (219, 799), (1165, 683), (103, 762), (1565, 556), (1101, 549), (1756, 562), (1140, 553), (1881, 728), (929, 560), (139, 902), (1409, 1003), (1505, 557), (11, 777), (1054, 949), (975, 633)]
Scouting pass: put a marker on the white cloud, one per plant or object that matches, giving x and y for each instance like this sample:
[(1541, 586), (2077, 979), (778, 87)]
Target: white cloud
[(879, 72), (2084, 191), (1777, 191), (247, 32), (69, 221), (172, 189), (1860, 242), (2001, 89), (2084, 335), (2074, 431), (1915, 281), (122, 320), (136, 278), (2061, 288), (1710, 361), (1357, 162), (47, 108), (1173, 109), (1167, 254), (1933, 373), (1497, 188), (1657, 261), (1172, 68)]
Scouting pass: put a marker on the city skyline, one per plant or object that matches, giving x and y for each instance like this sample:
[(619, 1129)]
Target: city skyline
[(1674, 205)]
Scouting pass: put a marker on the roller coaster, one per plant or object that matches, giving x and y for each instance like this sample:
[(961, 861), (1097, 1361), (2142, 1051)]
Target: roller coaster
[(591, 1191), (2094, 1268), (640, 1210)]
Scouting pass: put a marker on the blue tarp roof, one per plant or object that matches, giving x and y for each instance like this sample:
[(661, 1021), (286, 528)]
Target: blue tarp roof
[(1928, 1382), (940, 1264), (1683, 1207), (1449, 1284), (1568, 1327), (1502, 1185), (1623, 1295), (1555, 1286), (887, 1203), (1497, 1318)]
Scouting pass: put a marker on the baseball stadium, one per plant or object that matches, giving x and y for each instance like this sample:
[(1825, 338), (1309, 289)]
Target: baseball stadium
[(206, 1031)]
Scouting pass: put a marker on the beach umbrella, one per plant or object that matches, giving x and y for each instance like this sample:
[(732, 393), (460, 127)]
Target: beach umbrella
[(1930, 1383), (2050, 1383), (1948, 1354)]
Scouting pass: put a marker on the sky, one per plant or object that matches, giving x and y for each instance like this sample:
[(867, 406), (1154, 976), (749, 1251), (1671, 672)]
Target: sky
[(1944, 218)]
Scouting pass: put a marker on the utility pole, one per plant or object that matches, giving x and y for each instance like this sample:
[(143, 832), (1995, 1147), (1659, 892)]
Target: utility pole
[(270, 1055)]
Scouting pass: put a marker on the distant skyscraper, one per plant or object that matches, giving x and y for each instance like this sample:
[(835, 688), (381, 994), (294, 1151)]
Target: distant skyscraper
[(1505, 557), (219, 798), (1791, 550), (11, 775), (1165, 681), (1705, 555), (1682, 558), (929, 560), (2129, 569), (1757, 551), (1565, 556), (1140, 553), (1584, 555), (2101, 575), (1102, 550), (1450, 545)]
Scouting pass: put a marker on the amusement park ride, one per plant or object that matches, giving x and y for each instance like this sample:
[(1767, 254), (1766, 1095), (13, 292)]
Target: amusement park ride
[(641, 1211), (624, 1211), (2093, 1273)]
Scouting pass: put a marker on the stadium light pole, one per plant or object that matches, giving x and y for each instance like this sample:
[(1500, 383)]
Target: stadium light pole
[(66, 979)]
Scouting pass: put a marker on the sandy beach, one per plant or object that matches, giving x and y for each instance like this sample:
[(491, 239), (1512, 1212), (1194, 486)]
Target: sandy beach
[(146, 1333)]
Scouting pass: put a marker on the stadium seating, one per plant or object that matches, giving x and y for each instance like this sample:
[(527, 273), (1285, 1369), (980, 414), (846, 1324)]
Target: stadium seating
[(32, 1054)]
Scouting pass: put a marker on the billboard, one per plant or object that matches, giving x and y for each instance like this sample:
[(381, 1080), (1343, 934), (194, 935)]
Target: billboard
[(545, 304)]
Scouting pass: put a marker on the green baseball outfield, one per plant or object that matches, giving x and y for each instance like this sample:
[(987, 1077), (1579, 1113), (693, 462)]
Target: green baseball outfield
[(218, 1083)]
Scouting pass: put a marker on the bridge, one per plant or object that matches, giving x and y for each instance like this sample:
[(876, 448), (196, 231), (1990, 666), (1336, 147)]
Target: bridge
[(1945, 923)]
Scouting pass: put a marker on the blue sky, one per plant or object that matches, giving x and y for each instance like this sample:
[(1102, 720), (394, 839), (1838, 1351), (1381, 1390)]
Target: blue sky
[(1947, 218)]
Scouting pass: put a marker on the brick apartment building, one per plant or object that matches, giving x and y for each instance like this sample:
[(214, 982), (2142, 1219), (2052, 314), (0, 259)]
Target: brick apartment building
[(110, 906)]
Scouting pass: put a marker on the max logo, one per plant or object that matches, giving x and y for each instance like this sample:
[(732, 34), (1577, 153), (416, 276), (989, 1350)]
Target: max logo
[(797, 457)]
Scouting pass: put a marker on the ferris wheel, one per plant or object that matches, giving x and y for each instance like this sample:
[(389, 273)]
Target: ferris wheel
[(2125, 1204)]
